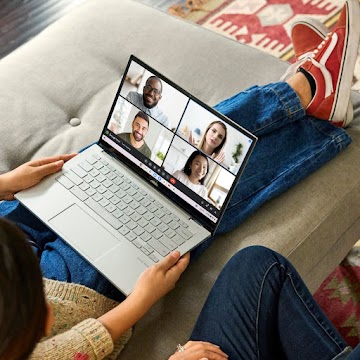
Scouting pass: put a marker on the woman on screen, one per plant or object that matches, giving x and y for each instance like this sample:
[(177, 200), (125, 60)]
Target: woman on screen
[(213, 141), (194, 173)]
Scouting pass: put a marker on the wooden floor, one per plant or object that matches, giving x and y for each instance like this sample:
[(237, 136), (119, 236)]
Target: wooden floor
[(20, 20)]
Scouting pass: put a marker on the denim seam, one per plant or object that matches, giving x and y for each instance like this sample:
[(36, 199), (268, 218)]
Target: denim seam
[(299, 297), (294, 166), (287, 109), (339, 138), (310, 312), (258, 306)]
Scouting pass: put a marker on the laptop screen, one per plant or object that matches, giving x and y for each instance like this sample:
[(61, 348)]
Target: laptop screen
[(187, 150)]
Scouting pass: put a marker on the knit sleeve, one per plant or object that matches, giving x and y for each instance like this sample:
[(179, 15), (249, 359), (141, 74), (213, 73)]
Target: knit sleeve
[(85, 341)]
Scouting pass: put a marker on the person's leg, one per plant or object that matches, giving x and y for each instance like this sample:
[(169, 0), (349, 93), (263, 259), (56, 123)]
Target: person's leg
[(259, 308), (58, 260), (291, 146)]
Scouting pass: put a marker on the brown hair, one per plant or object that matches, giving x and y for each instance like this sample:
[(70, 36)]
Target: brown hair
[(218, 148), (23, 308)]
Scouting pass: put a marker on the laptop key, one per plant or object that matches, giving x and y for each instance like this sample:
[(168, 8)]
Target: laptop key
[(168, 243), (158, 246), (154, 258), (111, 175), (86, 166), (79, 193), (137, 244), (131, 224), (91, 160), (100, 178), (145, 236), (107, 183), (88, 178), (98, 165), (108, 194), (139, 230), (170, 233), (174, 225), (162, 227), (73, 177), (94, 173), (134, 204), (112, 220), (114, 199), (128, 211), (97, 197), (124, 219), (183, 224), (104, 202), (121, 205), (79, 171), (64, 181), (111, 208), (124, 230), (143, 249), (148, 216), (131, 236), (104, 170), (148, 248), (178, 239), (142, 222), (90, 191), (135, 216), (117, 213), (84, 186), (101, 189), (95, 184), (184, 233), (114, 188)]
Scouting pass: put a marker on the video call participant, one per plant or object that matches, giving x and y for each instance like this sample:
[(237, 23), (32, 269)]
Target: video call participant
[(140, 127), (148, 100), (213, 141), (194, 173)]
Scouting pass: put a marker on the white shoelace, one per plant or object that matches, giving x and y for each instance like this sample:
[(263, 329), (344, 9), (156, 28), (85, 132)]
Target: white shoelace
[(309, 56)]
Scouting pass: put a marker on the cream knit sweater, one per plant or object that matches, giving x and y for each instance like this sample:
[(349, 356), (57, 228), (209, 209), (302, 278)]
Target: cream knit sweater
[(76, 333)]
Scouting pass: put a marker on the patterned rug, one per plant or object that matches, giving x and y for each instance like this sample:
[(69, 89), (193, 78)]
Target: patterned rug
[(263, 24), (339, 297)]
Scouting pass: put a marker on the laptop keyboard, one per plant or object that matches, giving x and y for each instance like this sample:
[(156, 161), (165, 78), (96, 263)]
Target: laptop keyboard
[(144, 221)]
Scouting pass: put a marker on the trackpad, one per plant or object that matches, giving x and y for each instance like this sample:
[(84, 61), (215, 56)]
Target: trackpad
[(83, 233)]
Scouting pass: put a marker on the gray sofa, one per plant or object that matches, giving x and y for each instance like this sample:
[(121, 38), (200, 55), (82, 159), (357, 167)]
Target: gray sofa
[(72, 70)]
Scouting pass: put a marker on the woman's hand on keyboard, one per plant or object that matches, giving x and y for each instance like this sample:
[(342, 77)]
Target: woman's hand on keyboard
[(160, 278), (29, 174)]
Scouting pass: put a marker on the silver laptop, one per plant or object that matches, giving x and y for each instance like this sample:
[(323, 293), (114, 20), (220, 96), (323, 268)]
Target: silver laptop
[(158, 179)]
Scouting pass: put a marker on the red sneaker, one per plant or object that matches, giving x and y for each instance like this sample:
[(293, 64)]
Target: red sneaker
[(306, 34), (332, 66)]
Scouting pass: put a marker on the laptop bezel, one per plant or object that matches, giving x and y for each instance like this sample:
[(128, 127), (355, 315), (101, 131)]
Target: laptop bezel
[(162, 189)]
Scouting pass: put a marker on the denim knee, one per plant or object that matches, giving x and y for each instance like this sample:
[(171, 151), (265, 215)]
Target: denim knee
[(253, 260)]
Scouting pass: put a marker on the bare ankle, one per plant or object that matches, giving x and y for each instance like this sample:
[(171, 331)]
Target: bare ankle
[(301, 86)]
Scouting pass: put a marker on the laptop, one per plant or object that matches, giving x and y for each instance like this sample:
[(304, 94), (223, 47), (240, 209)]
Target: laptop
[(158, 179)]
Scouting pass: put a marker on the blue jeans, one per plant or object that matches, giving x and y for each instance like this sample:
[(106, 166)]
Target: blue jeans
[(259, 308), (291, 146)]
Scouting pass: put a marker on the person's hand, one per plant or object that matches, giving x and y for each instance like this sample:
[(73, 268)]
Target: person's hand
[(159, 279), (220, 157), (199, 350), (29, 174), (191, 138)]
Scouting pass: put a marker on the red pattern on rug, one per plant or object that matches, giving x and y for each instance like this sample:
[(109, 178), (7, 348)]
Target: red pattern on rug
[(266, 24), (339, 297)]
